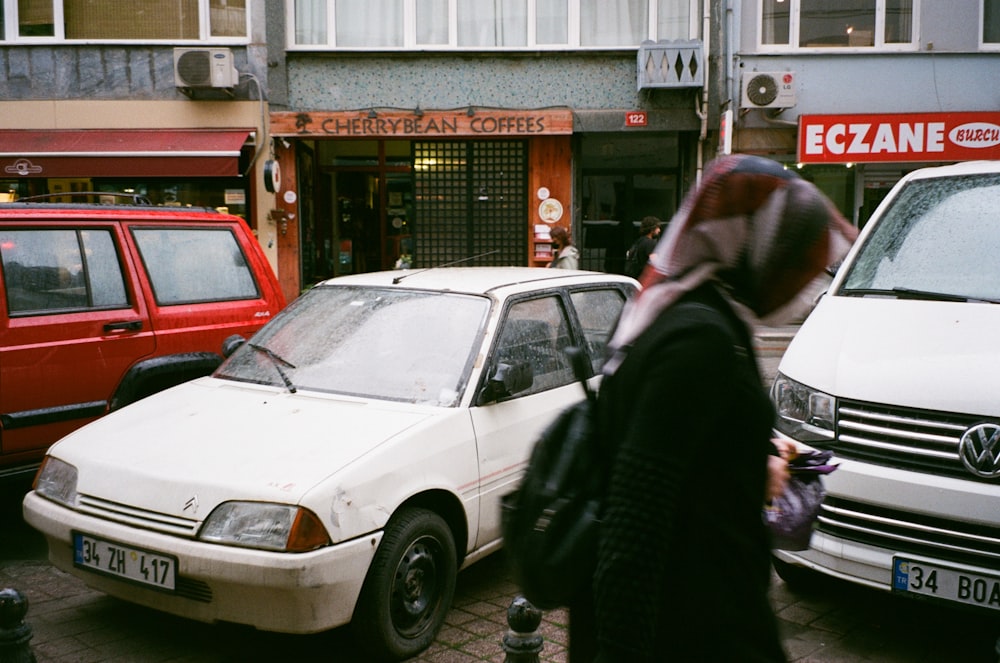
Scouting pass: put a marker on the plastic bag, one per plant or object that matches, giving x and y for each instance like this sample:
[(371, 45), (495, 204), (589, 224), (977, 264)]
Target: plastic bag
[(790, 517)]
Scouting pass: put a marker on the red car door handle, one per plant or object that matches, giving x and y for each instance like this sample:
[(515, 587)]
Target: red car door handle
[(127, 326)]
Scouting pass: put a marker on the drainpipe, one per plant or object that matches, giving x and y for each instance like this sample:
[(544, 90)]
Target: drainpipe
[(701, 106)]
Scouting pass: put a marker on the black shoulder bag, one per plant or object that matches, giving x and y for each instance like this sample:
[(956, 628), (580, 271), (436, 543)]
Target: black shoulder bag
[(550, 523)]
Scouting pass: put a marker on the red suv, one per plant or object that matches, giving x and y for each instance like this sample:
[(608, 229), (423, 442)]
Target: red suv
[(101, 305)]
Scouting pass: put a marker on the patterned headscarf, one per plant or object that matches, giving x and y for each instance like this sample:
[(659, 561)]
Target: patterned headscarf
[(758, 229)]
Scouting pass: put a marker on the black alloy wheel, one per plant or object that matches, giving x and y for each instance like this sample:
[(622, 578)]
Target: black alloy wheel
[(409, 587)]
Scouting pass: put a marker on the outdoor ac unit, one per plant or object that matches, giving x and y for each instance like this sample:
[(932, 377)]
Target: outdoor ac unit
[(768, 89), (204, 68)]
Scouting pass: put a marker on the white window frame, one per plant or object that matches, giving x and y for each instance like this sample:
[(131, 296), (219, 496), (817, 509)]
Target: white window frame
[(880, 45), (410, 30), (983, 44), (12, 26)]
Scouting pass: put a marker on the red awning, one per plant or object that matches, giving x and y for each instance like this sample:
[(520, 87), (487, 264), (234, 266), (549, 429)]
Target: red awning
[(121, 153)]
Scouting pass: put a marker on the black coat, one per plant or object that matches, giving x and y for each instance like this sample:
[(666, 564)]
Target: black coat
[(684, 560)]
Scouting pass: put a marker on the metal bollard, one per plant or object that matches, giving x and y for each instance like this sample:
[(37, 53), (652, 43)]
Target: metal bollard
[(14, 632), (522, 642)]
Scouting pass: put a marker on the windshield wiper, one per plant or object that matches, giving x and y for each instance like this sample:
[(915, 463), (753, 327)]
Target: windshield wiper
[(913, 293), (277, 361)]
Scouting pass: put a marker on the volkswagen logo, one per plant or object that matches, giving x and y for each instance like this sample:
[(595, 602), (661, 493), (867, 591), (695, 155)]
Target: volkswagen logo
[(980, 450)]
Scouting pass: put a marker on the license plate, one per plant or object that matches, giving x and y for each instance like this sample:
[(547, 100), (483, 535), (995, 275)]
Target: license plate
[(948, 584), (123, 561)]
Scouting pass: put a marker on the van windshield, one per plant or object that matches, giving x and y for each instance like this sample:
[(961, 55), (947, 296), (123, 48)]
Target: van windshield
[(939, 239)]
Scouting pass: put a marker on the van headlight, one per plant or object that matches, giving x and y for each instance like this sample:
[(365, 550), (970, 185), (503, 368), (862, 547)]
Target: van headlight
[(56, 480), (265, 526), (804, 414)]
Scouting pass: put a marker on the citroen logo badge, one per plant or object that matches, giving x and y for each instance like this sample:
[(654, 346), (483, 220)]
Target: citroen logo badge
[(980, 450), (192, 504)]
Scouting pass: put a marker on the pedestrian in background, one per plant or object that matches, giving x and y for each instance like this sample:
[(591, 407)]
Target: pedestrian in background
[(566, 255), (684, 558), (638, 254)]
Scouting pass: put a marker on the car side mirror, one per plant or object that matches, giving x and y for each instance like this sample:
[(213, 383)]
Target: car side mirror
[(507, 380), (231, 344)]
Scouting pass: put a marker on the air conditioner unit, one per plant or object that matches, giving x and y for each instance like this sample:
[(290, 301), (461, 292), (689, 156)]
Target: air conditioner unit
[(768, 89), (204, 68)]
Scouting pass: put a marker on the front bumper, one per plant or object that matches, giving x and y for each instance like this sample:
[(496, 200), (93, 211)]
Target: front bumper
[(282, 592)]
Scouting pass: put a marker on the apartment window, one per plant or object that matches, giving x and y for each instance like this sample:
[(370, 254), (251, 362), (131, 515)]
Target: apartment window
[(991, 21), (123, 20), (489, 24), (821, 24)]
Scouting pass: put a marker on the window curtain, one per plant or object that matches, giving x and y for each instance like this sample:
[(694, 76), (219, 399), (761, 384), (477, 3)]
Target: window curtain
[(124, 19), (369, 23), (551, 22), (775, 22), (228, 18), (623, 23), (432, 22), (492, 23), (899, 21), (674, 19), (310, 22)]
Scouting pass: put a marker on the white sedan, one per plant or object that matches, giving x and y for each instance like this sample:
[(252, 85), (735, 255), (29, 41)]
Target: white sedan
[(339, 467)]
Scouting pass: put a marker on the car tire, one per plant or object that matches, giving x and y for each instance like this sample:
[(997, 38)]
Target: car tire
[(409, 587)]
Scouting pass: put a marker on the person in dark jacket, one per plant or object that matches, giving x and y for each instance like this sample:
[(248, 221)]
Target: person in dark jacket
[(638, 254), (684, 557)]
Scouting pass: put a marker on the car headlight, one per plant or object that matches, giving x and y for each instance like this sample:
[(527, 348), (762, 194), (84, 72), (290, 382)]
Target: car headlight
[(265, 526), (804, 414), (56, 480)]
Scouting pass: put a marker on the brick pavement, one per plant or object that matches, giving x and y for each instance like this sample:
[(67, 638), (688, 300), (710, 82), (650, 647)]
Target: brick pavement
[(832, 623)]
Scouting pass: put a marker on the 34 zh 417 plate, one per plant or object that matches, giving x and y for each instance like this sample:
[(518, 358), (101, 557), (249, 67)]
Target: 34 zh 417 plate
[(941, 582), (123, 561)]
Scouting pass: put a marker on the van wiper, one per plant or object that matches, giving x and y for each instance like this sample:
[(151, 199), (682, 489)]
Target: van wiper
[(913, 293), (277, 361)]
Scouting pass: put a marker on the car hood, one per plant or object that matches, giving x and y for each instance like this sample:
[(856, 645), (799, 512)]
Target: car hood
[(923, 354), (216, 440)]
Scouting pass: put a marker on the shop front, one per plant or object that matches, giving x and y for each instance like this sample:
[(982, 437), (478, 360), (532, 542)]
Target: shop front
[(377, 189), (182, 167), (861, 156)]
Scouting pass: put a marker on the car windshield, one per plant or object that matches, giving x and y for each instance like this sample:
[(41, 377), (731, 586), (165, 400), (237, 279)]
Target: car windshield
[(401, 345), (938, 240)]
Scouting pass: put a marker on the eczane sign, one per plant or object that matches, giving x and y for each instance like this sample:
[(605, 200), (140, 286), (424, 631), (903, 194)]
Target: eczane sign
[(898, 137)]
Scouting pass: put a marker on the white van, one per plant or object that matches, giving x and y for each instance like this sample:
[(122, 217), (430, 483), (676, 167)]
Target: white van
[(897, 370)]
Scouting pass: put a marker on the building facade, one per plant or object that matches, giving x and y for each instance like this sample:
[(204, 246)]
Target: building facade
[(424, 133), (163, 100), (355, 135), (856, 93)]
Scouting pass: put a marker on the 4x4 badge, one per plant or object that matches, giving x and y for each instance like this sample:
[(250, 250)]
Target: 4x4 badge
[(980, 450)]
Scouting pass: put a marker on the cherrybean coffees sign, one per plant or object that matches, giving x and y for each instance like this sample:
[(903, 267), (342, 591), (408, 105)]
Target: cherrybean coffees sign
[(427, 124)]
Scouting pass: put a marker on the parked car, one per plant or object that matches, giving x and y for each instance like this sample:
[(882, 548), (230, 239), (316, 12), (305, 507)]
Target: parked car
[(895, 371), (101, 305), (340, 466)]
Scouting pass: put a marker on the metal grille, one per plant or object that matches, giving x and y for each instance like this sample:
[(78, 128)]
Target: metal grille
[(910, 533), (470, 200), (129, 515), (922, 441), (918, 440)]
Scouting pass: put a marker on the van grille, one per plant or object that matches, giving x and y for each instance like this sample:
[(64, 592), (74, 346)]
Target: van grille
[(901, 531), (905, 438), (922, 441)]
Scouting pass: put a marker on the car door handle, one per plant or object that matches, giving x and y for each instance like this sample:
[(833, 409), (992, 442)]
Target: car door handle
[(125, 326)]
